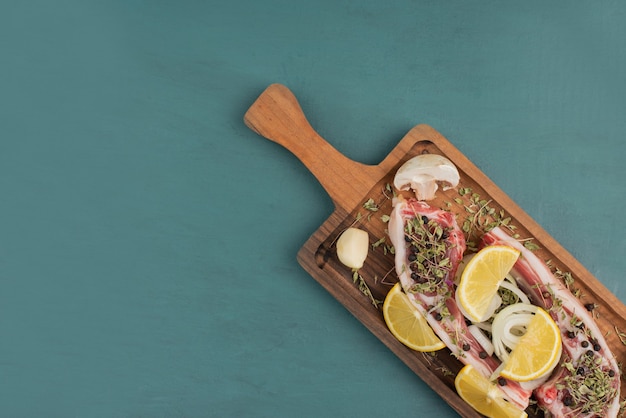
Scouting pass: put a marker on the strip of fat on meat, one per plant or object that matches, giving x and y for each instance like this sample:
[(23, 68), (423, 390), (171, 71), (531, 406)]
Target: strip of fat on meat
[(584, 348), (434, 297)]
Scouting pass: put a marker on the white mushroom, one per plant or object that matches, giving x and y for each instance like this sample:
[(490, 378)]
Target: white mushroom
[(423, 173)]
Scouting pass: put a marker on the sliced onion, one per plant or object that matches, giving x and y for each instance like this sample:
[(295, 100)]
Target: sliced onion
[(485, 326), (512, 286), (495, 304), (482, 339), (508, 326), (515, 327), (510, 278)]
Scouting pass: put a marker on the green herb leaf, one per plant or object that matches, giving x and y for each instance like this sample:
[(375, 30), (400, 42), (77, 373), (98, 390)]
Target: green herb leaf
[(370, 205), (531, 245)]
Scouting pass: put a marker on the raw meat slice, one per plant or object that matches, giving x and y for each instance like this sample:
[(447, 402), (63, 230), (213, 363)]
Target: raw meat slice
[(587, 360), (429, 246)]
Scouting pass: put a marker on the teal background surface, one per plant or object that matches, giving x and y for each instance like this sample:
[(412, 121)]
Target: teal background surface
[(148, 238)]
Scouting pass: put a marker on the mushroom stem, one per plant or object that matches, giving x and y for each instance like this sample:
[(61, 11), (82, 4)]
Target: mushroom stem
[(423, 173)]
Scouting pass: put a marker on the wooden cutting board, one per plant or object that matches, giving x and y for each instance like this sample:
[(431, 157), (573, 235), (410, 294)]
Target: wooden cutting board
[(362, 196)]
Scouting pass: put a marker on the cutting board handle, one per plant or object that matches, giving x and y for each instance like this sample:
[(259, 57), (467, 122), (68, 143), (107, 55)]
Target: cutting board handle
[(277, 115)]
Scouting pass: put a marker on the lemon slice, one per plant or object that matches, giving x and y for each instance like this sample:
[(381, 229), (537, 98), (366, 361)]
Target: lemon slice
[(407, 324), (481, 278), (537, 352), (484, 396)]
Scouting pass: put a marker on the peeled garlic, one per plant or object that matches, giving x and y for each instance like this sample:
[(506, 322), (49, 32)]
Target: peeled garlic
[(352, 247)]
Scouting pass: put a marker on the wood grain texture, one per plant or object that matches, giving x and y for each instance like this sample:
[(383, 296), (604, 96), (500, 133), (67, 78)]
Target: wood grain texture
[(277, 116)]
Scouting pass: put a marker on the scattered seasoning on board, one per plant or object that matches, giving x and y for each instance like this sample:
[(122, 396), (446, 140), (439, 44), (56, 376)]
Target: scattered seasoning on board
[(372, 206), (566, 277), (428, 259), (364, 288), (588, 387), (480, 217), (621, 335)]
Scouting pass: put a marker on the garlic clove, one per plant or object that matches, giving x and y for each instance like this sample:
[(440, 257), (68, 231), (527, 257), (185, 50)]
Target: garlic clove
[(352, 247)]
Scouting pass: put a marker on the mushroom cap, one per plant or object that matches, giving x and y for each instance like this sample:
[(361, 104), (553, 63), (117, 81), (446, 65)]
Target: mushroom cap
[(423, 174)]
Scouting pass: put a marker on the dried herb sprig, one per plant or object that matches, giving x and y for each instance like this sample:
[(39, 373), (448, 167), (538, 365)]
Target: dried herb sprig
[(566, 277), (550, 299), (379, 243), (621, 335), (382, 243), (443, 369), (428, 258), (428, 261), (372, 206), (388, 190), (530, 245), (508, 297), (364, 288), (589, 387), (384, 278), (481, 217)]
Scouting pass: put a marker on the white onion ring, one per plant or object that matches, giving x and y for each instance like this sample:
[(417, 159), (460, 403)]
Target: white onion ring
[(508, 326), (495, 304), (485, 326), (512, 286)]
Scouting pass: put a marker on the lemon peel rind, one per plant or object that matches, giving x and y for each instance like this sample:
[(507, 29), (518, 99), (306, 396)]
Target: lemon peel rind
[(466, 302), (396, 291)]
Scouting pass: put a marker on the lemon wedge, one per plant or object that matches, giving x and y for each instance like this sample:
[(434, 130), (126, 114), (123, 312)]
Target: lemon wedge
[(481, 278), (408, 324), (537, 352), (484, 396)]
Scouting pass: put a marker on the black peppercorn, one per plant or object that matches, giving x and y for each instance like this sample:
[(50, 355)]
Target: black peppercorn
[(568, 400)]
